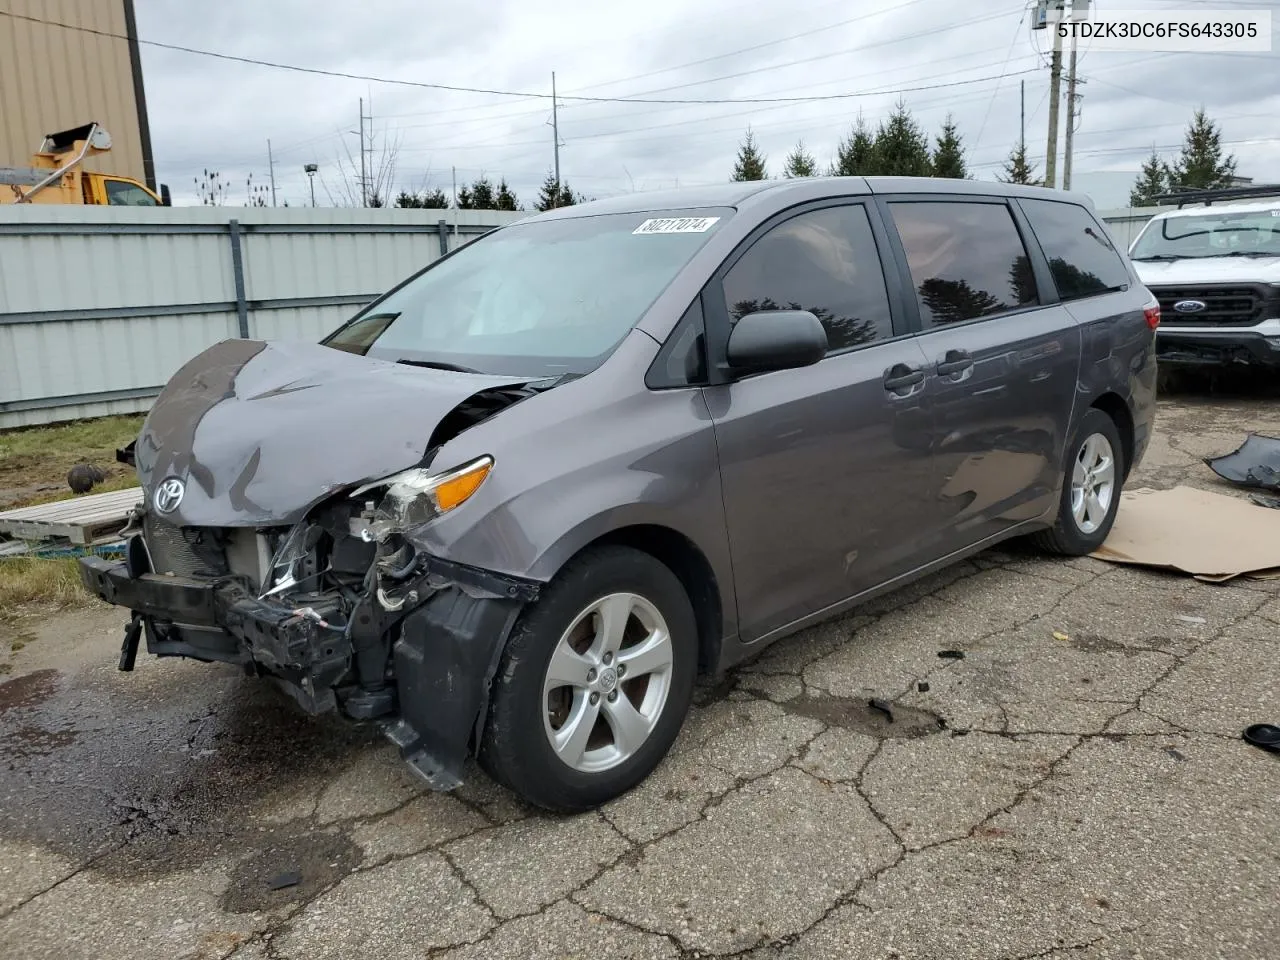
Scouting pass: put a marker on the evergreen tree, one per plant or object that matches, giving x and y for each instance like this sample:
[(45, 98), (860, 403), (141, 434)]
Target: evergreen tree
[(854, 155), (800, 163), (1018, 169), (506, 197), (948, 157), (901, 147), (1201, 165), (553, 194), (478, 196), (751, 163), (567, 197), (1151, 182), (431, 200)]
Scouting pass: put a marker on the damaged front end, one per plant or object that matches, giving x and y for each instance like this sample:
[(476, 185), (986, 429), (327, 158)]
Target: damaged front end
[(343, 610), (334, 599)]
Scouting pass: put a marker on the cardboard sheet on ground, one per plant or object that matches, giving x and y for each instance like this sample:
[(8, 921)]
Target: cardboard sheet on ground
[(1208, 535)]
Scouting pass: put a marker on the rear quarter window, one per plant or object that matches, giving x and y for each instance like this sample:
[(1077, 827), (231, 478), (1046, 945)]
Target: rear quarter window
[(1082, 259)]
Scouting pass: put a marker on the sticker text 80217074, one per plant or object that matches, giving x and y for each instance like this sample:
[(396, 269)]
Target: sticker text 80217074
[(677, 225)]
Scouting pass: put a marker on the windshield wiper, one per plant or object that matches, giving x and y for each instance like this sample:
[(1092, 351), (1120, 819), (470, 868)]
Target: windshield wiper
[(439, 365), (1159, 256), (1248, 253)]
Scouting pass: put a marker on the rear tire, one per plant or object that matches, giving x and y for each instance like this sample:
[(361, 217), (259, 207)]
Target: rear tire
[(1095, 472), (595, 682)]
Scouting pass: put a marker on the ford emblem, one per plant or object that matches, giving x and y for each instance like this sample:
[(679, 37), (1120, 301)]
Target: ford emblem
[(1189, 306), (168, 495)]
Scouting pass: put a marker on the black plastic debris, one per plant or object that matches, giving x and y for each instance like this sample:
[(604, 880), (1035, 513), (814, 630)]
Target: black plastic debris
[(280, 881), (1255, 463), (1176, 754), (923, 686), (1263, 735), (882, 706), (951, 654)]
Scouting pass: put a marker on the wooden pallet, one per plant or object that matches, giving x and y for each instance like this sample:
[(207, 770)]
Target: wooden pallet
[(95, 518)]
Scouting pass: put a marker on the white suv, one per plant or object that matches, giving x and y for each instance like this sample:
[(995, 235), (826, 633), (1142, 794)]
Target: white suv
[(1215, 268)]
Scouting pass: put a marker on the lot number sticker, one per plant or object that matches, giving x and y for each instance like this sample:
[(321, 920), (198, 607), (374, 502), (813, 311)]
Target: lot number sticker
[(677, 225)]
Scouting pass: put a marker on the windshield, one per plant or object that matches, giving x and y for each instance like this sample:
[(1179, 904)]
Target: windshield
[(545, 298), (1211, 235)]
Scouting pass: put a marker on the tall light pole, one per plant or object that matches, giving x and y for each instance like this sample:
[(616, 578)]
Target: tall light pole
[(311, 169)]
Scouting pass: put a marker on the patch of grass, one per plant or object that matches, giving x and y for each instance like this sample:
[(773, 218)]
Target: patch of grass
[(101, 435), (34, 460), (26, 580)]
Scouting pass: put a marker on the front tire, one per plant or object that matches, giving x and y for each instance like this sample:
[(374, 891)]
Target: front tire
[(1095, 473), (595, 682)]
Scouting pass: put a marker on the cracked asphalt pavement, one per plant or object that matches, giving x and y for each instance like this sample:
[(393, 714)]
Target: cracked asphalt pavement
[(1083, 798)]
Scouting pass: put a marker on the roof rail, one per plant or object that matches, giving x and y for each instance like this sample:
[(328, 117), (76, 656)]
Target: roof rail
[(1187, 195)]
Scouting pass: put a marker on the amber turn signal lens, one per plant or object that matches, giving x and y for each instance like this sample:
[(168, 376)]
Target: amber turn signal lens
[(458, 490)]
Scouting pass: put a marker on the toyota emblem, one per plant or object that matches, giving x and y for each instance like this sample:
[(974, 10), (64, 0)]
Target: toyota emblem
[(168, 495), (1189, 306)]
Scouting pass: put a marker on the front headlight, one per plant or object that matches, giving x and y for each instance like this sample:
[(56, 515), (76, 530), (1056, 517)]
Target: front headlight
[(418, 496)]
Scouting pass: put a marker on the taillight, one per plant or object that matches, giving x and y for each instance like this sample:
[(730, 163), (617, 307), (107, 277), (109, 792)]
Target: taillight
[(1152, 312)]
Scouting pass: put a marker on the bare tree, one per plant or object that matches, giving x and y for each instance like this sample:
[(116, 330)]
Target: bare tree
[(212, 188), (256, 194), (379, 177)]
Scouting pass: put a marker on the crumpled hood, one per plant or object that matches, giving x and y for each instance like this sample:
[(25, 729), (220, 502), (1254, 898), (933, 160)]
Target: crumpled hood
[(259, 432)]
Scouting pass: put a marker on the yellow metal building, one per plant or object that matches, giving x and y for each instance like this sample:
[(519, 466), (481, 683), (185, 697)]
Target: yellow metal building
[(64, 63)]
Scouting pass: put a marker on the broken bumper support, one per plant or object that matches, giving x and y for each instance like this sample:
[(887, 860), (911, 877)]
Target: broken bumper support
[(442, 663)]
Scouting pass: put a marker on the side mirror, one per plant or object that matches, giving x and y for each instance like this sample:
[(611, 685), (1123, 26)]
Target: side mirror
[(165, 199), (776, 340)]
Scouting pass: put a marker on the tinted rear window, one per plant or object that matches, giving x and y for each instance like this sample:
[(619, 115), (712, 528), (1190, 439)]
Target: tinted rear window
[(966, 259), (1081, 257)]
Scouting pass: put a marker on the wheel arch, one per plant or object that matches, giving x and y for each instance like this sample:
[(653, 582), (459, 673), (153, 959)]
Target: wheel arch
[(1114, 406), (682, 556)]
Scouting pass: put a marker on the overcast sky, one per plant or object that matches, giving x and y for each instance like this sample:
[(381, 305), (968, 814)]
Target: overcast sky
[(206, 112)]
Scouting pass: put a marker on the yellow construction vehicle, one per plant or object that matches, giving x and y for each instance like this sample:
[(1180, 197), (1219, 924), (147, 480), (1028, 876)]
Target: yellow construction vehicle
[(56, 176)]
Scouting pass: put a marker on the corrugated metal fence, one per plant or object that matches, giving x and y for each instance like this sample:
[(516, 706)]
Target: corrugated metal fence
[(100, 305)]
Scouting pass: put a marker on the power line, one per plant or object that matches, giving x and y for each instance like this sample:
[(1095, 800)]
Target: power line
[(751, 49), (368, 78), (1102, 151), (742, 113), (634, 98), (1017, 32)]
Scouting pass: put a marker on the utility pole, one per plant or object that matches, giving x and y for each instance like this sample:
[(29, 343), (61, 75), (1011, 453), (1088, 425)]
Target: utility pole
[(1072, 113), (455, 206), (271, 169), (555, 133), (364, 182), (1055, 95), (1022, 116)]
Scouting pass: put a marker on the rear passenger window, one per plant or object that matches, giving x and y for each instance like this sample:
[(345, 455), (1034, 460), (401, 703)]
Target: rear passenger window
[(824, 261), (967, 259), (1081, 257)]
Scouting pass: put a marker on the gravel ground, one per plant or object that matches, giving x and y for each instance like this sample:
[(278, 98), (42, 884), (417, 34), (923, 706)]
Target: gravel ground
[(1087, 798)]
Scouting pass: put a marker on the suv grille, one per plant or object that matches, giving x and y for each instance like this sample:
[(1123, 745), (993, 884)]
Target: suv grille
[(1226, 305), (182, 551)]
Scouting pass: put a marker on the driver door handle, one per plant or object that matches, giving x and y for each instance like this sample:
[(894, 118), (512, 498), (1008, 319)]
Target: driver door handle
[(953, 362), (901, 377)]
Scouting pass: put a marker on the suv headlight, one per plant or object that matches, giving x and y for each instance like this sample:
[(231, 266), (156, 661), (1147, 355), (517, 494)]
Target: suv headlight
[(418, 496)]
